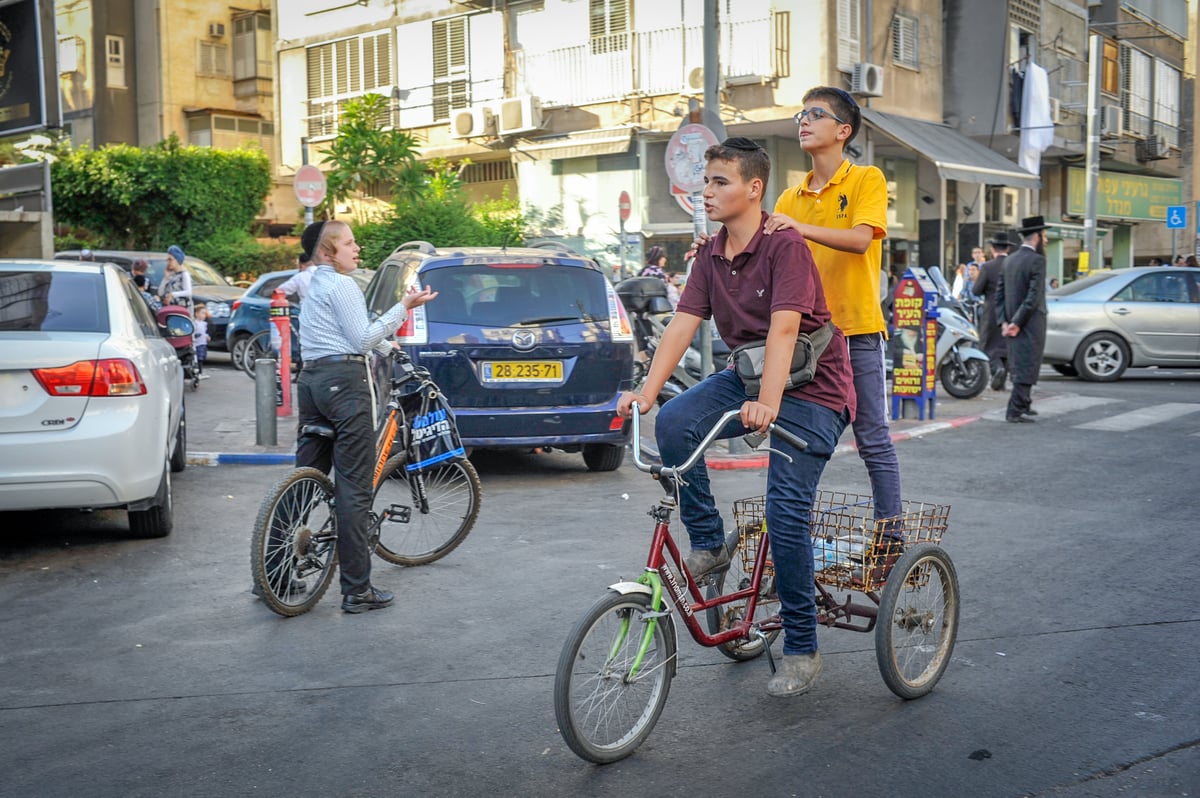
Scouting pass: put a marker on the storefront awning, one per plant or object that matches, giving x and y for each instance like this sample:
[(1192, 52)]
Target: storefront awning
[(584, 144), (955, 156)]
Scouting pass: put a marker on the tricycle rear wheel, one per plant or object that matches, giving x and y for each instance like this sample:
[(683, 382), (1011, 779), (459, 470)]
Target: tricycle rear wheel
[(918, 621)]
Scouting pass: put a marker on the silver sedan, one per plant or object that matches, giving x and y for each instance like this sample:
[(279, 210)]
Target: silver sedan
[(91, 394), (1109, 321)]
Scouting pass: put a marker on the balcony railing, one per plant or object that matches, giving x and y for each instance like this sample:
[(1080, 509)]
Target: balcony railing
[(664, 61)]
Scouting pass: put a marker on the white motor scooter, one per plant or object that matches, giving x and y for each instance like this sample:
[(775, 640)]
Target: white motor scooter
[(961, 364)]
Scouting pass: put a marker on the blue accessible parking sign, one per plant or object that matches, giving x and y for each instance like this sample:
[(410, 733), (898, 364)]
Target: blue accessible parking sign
[(1176, 217)]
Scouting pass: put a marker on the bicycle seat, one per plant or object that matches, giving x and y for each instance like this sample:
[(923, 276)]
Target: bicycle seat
[(318, 431)]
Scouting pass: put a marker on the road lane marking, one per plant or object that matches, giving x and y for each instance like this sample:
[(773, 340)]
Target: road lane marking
[(1142, 417)]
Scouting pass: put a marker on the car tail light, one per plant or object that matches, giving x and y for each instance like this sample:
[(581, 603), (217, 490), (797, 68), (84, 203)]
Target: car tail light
[(415, 329), (616, 423), (237, 303), (110, 377), (618, 321)]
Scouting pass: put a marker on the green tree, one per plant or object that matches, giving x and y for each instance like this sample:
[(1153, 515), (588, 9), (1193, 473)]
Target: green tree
[(442, 215), (368, 153)]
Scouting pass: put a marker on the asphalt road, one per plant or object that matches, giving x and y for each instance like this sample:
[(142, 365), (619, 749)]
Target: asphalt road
[(145, 668)]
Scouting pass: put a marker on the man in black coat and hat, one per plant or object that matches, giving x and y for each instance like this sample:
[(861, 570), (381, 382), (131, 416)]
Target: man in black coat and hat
[(991, 341), (1021, 310)]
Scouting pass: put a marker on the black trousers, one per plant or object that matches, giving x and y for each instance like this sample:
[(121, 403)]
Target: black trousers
[(338, 395), (1019, 400)]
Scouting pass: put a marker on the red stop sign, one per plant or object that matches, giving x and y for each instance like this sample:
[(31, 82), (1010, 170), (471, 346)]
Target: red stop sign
[(309, 185), (624, 206)]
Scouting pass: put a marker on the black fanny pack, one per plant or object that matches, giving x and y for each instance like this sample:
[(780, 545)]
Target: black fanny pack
[(747, 360)]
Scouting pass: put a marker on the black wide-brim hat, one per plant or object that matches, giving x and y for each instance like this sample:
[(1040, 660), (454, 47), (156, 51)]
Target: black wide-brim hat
[(1032, 224), (1001, 239)]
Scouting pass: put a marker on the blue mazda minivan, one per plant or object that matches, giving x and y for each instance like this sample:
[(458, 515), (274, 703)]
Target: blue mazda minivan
[(531, 346)]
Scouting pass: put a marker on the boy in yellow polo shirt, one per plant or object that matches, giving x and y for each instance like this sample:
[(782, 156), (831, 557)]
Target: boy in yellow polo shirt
[(841, 210)]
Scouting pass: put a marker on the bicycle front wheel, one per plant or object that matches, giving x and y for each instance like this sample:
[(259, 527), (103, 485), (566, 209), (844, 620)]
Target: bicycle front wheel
[(293, 551), (416, 529), (605, 711), (918, 621), (726, 616), (257, 346)]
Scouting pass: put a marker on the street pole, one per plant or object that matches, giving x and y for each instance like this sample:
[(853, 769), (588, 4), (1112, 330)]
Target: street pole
[(308, 212), (710, 118), (1092, 153)]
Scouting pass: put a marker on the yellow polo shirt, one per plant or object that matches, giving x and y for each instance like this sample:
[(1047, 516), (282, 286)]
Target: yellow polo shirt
[(855, 195)]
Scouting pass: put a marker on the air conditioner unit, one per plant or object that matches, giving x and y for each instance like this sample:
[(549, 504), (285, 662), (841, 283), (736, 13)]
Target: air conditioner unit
[(1112, 120), (867, 80), (693, 80), (1056, 111), (519, 115), (1002, 206), (1153, 148), (468, 123), (216, 30)]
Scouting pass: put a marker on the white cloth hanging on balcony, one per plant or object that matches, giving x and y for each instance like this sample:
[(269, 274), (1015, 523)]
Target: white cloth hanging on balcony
[(1037, 127)]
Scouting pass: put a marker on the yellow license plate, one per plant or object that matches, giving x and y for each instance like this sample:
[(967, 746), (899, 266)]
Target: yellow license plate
[(522, 371)]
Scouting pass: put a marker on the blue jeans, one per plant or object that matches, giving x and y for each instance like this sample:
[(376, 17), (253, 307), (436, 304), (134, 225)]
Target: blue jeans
[(871, 431), (791, 488)]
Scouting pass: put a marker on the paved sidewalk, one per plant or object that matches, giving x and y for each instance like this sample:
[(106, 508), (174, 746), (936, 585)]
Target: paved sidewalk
[(222, 425)]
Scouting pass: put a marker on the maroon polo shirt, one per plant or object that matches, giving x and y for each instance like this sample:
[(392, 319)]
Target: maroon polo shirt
[(775, 272)]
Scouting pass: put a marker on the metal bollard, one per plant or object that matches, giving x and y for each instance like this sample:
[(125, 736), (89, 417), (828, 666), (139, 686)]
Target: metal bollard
[(266, 428)]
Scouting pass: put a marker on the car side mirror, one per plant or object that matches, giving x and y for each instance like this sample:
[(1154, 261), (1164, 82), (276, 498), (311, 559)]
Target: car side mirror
[(176, 325)]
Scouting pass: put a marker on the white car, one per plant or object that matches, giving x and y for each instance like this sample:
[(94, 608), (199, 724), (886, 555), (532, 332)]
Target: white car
[(91, 394)]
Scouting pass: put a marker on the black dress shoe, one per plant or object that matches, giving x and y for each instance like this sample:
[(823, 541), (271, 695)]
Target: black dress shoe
[(998, 379), (1019, 419), (1031, 412), (370, 599)]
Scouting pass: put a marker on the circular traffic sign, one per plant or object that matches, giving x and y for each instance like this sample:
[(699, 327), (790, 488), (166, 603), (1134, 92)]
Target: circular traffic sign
[(624, 206), (309, 185), (685, 156)]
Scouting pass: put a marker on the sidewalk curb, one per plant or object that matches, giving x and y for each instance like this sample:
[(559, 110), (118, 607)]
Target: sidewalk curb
[(232, 458), (718, 462)]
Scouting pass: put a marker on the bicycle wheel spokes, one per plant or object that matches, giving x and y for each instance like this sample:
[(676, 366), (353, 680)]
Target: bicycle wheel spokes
[(413, 531), (738, 577), (604, 714), (294, 551), (918, 621)]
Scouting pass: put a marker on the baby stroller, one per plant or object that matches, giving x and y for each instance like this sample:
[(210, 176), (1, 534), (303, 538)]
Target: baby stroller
[(182, 341)]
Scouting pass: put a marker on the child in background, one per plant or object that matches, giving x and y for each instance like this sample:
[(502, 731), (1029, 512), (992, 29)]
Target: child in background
[(200, 337)]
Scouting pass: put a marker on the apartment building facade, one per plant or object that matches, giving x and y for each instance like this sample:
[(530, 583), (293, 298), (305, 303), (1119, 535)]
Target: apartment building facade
[(137, 71), (569, 103), (1143, 136)]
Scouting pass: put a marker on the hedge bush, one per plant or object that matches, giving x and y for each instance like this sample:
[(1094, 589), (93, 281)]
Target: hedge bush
[(149, 198)]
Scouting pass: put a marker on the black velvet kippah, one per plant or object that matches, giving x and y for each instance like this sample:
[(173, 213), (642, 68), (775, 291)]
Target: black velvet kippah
[(310, 237)]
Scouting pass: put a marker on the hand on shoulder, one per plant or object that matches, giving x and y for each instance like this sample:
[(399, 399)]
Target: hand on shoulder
[(780, 221)]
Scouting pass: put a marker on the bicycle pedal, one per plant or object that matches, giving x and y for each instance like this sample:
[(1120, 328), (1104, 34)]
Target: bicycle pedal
[(399, 513)]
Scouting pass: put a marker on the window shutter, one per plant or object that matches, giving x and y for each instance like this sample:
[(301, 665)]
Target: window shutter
[(849, 46), (905, 32)]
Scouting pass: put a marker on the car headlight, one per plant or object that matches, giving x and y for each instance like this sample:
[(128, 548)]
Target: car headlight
[(219, 310)]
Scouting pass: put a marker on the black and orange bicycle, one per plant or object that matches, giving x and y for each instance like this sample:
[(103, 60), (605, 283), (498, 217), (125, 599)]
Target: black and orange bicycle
[(420, 512)]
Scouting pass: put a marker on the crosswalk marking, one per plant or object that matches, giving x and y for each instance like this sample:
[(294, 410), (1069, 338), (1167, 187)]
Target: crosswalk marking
[(1056, 405), (1142, 417)]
